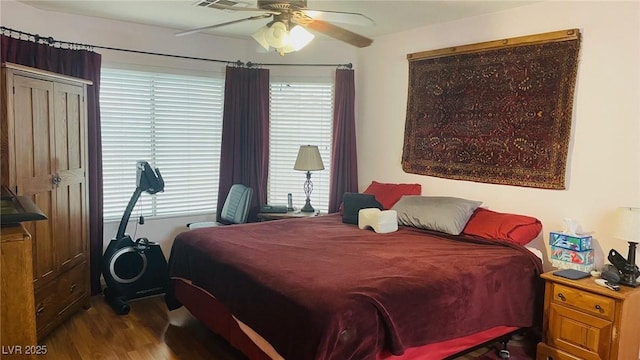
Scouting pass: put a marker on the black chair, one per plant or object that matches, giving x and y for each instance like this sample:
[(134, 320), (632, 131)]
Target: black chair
[(235, 209)]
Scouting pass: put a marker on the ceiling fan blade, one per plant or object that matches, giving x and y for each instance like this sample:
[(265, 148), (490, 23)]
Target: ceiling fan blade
[(343, 17), (337, 32), (240, 8), (188, 32)]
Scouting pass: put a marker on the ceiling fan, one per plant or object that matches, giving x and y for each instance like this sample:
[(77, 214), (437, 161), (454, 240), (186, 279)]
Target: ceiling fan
[(286, 31)]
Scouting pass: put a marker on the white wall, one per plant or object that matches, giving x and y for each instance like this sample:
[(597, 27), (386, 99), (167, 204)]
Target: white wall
[(108, 33), (604, 157)]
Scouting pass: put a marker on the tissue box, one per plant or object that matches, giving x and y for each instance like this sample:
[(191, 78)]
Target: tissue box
[(571, 256), (567, 265), (570, 242)]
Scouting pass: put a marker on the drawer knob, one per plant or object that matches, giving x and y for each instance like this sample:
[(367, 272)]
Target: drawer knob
[(39, 310), (562, 297), (598, 307), (72, 287)]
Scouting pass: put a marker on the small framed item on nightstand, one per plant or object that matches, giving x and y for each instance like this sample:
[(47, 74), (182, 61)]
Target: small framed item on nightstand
[(571, 274)]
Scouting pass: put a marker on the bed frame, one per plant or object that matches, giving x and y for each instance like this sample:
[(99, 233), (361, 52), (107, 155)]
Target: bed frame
[(219, 273), (215, 316)]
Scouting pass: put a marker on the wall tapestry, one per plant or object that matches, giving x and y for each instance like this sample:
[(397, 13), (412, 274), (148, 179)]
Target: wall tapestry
[(495, 112)]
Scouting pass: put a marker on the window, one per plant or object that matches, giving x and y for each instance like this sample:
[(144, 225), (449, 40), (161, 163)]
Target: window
[(301, 114), (172, 121)]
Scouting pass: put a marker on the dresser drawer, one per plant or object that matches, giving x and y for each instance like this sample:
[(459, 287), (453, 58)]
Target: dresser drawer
[(591, 303), (47, 307), (54, 298), (72, 285), (546, 352)]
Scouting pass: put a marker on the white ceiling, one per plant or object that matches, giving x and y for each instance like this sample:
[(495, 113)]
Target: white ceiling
[(389, 16)]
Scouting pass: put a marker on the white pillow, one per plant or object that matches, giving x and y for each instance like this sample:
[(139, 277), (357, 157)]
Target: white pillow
[(381, 221), (439, 213)]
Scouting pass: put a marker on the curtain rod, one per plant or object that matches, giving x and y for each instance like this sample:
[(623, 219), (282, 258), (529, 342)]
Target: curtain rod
[(347, 66), (79, 46)]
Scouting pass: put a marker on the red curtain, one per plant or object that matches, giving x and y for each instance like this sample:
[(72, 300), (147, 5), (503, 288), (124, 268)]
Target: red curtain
[(82, 64), (244, 157), (344, 160)]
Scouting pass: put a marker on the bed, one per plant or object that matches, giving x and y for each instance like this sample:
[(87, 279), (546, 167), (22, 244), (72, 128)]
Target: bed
[(316, 288)]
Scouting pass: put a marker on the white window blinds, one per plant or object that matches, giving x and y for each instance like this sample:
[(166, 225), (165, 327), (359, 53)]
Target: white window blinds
[(172, 121), (301, 114)]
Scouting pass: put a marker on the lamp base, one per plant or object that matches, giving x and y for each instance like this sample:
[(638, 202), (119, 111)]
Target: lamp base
[(627, 268), (629, 280), (307, 207), (630, 272)]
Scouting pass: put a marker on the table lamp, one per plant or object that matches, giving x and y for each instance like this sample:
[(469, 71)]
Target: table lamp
[(628, 229), (308, 160)]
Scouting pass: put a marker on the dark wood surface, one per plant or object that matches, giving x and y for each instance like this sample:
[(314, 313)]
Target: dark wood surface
[(148, 332)]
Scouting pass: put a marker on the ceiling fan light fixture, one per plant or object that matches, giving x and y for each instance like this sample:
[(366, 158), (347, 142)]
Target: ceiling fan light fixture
[(299, 37), (260, 37), (277, 35), (285, 15)]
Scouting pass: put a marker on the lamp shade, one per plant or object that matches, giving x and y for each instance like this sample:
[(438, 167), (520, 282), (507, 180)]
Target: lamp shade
[(260, 37), (277, 35), (308, 159), (299, 37), (628, 226)]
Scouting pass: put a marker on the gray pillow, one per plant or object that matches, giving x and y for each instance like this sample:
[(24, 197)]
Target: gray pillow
[(439, 213)]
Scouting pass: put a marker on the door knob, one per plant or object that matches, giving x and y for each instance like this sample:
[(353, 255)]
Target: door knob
[(56, 179)]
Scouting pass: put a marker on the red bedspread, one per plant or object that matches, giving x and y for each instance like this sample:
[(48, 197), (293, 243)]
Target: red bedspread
[(316, 288)]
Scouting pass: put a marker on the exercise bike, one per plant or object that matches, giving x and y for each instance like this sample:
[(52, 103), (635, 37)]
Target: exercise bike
[(134, 269)]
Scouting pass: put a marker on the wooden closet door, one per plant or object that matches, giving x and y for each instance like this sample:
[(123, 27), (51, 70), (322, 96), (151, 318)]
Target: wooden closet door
[(34, 169), (42, 142), (71, 236)]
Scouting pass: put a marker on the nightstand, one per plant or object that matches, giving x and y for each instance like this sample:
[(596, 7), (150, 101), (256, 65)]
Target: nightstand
[(583, 320), (288, 215)]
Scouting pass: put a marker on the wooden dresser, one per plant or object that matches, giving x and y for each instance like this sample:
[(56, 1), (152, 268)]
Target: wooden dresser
[(583, 320), (43, 151), (17, 315)]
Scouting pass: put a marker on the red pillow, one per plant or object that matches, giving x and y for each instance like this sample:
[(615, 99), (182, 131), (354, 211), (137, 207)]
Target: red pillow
[(489, 224), (389, 194)]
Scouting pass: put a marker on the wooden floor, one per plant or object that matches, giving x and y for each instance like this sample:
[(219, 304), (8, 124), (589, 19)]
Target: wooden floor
[(148, 332)]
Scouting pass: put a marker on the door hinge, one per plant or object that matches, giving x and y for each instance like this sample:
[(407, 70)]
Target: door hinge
[(14, 90), (16, 190)]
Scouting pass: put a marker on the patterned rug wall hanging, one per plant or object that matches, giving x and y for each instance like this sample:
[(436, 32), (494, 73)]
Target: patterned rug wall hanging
[(496, 112)]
